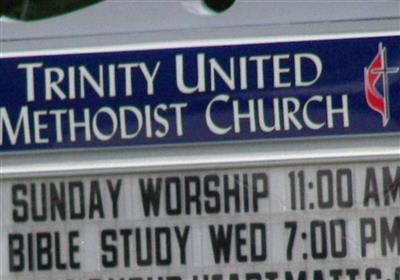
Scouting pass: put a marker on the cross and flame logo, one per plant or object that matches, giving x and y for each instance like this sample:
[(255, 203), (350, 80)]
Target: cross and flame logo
[(376, 71)]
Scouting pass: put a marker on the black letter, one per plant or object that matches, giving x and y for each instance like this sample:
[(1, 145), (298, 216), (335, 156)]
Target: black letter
[(390, 237), (95, 201), (112, 248), (73, 249), (19, 202), (221, 242), (125, 237), (372, 272), (169, 183), (75, 215), (150, 196), (240, 242), (211, 180), (44, 251), (159, 232), (141, 261), (57, 201), (261, 178), (302, 275), (114, 194), (182, 240), (261, 228), (391, 186), (192, 182), (16, 251), (371, 188), (367, 238), (35, 215)]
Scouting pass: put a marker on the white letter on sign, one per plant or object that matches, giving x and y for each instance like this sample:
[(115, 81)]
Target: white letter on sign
[(211, 125), (201, 80), (297, 66), (30, 79)]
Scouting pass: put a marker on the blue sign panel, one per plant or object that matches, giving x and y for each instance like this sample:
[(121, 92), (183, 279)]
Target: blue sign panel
[(234, 92)]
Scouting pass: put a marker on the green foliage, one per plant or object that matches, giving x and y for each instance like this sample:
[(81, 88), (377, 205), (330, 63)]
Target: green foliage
[(40, 9), (219, 5)]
